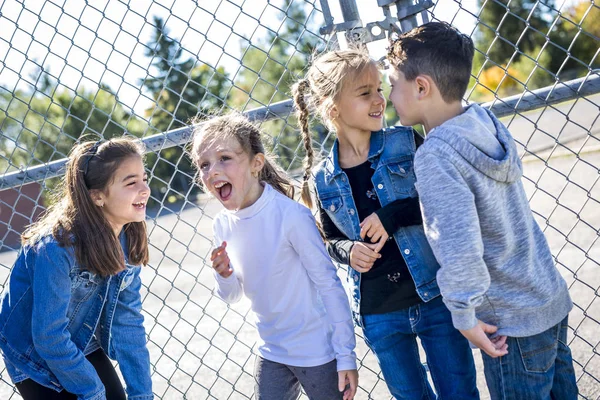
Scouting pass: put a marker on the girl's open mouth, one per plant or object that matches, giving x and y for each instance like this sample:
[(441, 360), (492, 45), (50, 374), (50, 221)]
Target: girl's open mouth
[(140, 206), (223, 189)]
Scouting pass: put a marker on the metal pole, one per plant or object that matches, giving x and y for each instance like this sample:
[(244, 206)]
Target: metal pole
[(349, 10), (406, 22), (558, 93)]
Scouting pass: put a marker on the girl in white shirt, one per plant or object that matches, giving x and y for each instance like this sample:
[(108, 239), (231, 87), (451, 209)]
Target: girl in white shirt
[(271, 251)]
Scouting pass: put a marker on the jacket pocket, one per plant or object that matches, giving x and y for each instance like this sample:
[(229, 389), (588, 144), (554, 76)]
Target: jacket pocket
[(338, 212), (83, 284), (539, 352), (331, 205), (402, 175)]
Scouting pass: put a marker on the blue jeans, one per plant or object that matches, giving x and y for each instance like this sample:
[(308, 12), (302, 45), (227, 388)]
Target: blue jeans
[(538, 367), (393, 339)]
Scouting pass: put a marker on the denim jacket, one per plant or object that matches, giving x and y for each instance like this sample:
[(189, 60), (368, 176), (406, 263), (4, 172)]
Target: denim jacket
[(391, 155), (50, 310)]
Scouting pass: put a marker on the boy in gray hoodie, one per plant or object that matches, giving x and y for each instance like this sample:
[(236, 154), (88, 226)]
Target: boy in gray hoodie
[(497, 275)]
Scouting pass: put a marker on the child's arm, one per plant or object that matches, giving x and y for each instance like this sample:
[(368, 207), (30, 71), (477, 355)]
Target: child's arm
[(304, 237), (452, 227), (128, 342), (51, 338), (338, 245), (359, 255), (451, 224), (384, 222), (400, 213), (227, 285)]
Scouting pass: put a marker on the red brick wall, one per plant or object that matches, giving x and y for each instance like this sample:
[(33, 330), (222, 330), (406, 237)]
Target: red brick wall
[(19, 207)]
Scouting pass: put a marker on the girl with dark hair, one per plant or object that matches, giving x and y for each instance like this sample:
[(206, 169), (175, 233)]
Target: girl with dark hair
[(269, 249), (73, 296)]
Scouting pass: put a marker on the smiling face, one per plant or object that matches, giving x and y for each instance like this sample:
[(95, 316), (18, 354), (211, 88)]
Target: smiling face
[(230, 174), (125, 198), (361, 104)]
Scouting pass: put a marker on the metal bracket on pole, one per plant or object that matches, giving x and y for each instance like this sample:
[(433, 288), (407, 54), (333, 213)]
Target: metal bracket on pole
[(406, 13), (352, 24), (405, 19)]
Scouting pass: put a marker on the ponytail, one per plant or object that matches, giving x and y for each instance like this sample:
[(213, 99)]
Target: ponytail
[(299, 91), (275, 177)]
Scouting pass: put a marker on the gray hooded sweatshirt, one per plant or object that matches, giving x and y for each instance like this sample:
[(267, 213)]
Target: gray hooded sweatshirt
[(495, 262)]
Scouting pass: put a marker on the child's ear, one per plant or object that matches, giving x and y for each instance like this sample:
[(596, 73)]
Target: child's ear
[(258, 163), (333, 113), (97, 197), (422, 86)]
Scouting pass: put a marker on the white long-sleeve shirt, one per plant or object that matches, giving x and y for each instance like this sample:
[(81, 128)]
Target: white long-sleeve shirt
[(280, 263)]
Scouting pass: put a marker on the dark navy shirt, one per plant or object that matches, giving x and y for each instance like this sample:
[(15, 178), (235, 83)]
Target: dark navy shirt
[(387, 286)]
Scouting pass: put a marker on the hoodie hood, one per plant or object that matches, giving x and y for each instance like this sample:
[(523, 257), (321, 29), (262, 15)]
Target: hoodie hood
[(483, 141)]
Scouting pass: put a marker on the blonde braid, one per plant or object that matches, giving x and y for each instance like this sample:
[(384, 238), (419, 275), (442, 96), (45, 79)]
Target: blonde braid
[(302, 114)]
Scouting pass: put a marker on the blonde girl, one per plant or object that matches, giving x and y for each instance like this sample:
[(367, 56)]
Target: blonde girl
[(370, 216)]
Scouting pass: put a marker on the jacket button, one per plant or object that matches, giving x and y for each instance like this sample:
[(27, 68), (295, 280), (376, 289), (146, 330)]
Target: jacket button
[(402, 171), (351, 212), (380, 186), (355, 278), (332, 207), (406, 251)]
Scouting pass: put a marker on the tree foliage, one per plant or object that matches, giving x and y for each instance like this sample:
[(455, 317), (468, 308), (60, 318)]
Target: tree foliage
[(270, 66), (529, 43), (181, 89), (42, 126)]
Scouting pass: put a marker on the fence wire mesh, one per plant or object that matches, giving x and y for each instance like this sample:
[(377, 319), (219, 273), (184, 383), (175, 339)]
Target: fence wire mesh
[(108, 68)]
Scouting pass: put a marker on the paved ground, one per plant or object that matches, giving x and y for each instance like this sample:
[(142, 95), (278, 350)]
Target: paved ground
[(200, 348)]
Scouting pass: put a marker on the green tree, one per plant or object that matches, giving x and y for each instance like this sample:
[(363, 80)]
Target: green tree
[(42, 126), (578, 33), (502, 23), (270, 66), (181, 89), (566, 49)]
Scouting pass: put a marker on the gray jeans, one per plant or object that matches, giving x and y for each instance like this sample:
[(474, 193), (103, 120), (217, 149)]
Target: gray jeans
[(275, 381)]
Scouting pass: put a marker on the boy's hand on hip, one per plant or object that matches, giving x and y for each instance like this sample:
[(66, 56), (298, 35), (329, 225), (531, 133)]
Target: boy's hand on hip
[(348, 378), (478, 335), (220, 261), (373, 228), (363, 256)]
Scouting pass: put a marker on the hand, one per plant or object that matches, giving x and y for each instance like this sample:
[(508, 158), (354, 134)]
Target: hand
[(220, 261), (363, 256), (373, 228), (348, 378), (477, 335)]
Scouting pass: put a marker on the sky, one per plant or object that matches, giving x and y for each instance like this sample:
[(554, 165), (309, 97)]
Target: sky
[(83, 45)]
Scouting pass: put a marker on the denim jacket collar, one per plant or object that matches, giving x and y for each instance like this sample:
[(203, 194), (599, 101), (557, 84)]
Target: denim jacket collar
[(332, 164)]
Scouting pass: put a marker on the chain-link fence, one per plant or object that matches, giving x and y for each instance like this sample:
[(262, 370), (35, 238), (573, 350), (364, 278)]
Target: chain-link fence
[(108, 68)]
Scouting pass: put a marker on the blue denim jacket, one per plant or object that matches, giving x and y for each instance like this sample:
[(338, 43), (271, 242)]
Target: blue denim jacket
[(391, 155), (50, 310)]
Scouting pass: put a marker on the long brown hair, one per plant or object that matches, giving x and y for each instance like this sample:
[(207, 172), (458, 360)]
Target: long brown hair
[(323, 83), (249, 137), (75, 220)]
